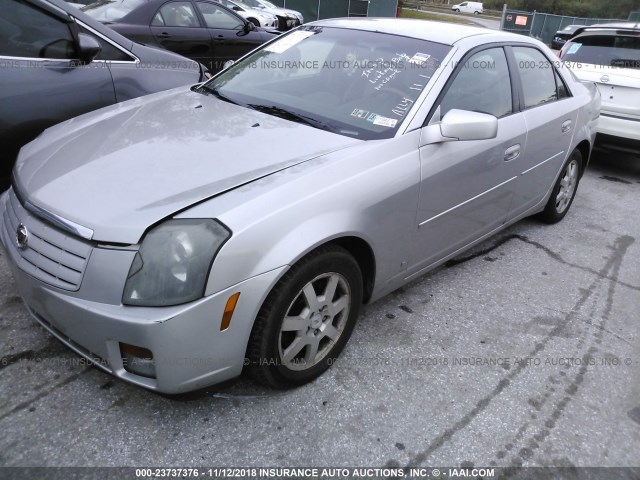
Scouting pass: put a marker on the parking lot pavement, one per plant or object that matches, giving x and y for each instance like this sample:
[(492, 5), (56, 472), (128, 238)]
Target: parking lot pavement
[(525, 351)]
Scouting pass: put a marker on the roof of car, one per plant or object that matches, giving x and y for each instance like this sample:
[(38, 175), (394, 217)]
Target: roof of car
[(611, 28), (440, 32)]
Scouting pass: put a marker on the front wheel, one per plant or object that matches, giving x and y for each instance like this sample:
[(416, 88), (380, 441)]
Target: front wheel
[(476, 13), (306, 319), (457, 10), (254, 21), (564, 190)]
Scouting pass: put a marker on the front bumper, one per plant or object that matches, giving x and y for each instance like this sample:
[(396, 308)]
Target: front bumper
[(189, 350)]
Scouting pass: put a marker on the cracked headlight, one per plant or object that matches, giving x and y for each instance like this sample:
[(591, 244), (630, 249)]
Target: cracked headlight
[(173, 263)]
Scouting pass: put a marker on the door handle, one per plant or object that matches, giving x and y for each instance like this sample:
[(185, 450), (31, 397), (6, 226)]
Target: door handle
[(164, 35), (512, 153), (566, 126)]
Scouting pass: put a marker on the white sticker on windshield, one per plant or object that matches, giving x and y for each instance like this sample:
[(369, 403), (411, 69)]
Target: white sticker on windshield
[(420, 58), (289, 41), (360, 113), (385, 121), (574, 48)]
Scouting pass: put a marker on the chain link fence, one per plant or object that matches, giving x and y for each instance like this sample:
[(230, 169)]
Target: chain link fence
[(319, 9), (543, 26)]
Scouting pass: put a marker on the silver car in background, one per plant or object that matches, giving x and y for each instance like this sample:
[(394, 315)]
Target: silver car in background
[(260, 18), (158, 239)]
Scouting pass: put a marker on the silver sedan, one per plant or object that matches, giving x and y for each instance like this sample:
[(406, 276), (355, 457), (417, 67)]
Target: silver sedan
[(178, 239)]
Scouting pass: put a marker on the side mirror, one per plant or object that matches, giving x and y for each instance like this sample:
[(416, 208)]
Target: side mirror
[(88, 48), (249, 27), (237, 8), (461, 125)]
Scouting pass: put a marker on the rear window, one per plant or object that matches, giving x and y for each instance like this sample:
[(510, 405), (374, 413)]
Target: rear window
[(620, 51), (111, 10)]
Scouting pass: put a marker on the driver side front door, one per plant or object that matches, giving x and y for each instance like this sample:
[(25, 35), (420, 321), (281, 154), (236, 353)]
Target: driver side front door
[(465, 185)]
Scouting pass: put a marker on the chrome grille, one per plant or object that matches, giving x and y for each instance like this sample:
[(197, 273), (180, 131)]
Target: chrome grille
[(51, 256)]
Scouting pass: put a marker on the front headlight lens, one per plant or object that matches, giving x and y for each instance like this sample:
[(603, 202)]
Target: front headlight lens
[(173, 263)]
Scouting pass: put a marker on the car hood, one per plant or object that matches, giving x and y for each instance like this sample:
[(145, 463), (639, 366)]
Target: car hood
[(123, 168)]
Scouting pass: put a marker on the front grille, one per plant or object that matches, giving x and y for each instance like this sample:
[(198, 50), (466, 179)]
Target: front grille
[(51, 256)]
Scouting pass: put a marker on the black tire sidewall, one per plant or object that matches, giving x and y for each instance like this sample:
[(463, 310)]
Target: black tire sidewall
[(333, 260), (550, 214)]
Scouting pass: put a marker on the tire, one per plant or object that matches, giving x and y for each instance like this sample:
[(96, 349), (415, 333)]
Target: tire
[(254, 21), (457, 10), (284, 354), (476, 13), (564, 190)]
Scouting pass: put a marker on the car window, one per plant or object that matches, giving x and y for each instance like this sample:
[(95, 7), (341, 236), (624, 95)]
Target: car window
[(252, 3), (611, 50), (537, 76), (108, 51), (176, 14), (563, 91), (216, 17), (26, 31), (111, 10), (482, 85)]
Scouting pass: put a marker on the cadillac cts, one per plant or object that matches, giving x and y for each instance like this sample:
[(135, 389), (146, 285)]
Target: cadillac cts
[(182, 237)]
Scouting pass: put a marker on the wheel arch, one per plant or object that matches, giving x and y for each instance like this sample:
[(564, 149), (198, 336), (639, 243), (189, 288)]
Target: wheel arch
[(363, 254), (584, 147)]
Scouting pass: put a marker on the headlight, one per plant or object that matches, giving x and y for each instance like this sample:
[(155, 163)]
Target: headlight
[(173, 263)]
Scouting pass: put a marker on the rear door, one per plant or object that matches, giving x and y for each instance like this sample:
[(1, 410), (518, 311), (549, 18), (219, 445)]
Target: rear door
[(551, 115), (176, 27)]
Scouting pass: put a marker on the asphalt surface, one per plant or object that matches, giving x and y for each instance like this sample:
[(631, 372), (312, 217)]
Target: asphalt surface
[(525, 351)]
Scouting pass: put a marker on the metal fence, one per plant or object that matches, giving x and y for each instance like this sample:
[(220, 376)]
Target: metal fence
[(543, 26), (319, 9)]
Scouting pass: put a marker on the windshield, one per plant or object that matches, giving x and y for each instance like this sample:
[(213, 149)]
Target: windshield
[(355, 83), (610, 50), (251, 3), (267, 4), (111, 10)]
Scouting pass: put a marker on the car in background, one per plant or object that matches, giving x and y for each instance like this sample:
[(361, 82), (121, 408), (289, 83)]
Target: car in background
[(202, 30), (176, 252), (609, 56), (260, 18), (287, 18), (57, 63), (469, 7), (562, 35)]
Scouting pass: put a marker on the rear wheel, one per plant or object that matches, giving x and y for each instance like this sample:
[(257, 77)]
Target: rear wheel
[(306, 320), (564, 190), (476, 13)]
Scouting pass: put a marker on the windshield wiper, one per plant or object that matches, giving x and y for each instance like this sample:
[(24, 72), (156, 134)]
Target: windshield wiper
[(215, 92), (289, 115)]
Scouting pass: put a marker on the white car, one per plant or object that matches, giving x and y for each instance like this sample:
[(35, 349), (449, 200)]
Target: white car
[(469, 7), (609, 55), (288, 18), (260, 18)]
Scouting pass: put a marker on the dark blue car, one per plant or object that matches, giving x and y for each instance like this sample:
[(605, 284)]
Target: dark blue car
[(57, 63)]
